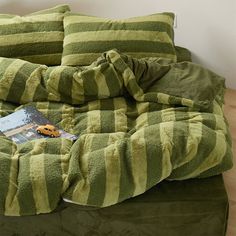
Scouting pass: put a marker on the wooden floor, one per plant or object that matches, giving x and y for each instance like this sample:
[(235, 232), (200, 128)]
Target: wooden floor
[(230, 176)]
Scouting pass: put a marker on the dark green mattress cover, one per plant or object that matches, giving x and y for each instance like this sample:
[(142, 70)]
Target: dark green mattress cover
[(195, 207)]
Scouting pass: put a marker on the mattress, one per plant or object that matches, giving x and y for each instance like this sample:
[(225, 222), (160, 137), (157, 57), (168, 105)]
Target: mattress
[(195, 207)]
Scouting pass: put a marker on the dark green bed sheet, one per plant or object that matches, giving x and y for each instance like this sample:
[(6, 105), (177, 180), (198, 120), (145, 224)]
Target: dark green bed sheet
[(195, 207)]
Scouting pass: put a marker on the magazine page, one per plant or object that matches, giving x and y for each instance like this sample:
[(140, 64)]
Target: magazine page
[(29, 124)]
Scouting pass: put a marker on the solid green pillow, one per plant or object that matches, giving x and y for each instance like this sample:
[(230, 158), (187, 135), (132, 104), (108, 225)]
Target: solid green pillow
[(37, 37), (183, 54), (86, 37)]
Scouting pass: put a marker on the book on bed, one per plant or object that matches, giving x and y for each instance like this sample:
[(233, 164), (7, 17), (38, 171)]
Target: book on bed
[(28, 124)]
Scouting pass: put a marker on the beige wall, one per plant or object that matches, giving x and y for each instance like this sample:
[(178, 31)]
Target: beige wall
[(206, 27)]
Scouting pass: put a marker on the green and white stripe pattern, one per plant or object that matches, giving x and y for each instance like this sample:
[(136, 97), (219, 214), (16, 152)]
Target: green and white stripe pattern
[(134, 131), (37, 37), (86, 37)]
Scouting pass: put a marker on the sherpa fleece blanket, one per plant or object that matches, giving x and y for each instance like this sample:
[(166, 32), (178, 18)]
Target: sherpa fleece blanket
[(138, 122)]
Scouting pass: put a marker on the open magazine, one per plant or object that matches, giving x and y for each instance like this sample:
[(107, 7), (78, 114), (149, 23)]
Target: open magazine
[(27, 124)]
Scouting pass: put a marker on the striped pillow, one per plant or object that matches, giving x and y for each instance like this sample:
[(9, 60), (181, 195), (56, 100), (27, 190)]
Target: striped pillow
[(21, 81), (37, 37), (86, 37)]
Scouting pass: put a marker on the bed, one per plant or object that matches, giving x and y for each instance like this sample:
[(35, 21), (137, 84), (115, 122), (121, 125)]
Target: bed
[(152, 138)]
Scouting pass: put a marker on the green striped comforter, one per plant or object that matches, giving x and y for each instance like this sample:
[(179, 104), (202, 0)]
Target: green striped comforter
[(138, 122)]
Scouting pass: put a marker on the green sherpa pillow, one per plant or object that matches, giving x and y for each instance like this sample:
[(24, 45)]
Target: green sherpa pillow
[(86, 37), (37, 37), (183, 54), (21, 81)]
